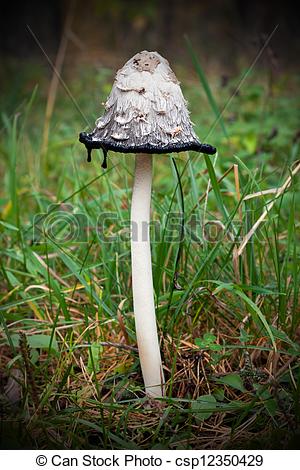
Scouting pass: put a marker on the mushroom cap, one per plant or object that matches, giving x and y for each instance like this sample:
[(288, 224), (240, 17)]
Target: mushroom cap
[(145, 111)]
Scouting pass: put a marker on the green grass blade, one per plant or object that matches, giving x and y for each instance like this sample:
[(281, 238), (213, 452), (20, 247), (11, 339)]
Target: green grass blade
[(205, 84)]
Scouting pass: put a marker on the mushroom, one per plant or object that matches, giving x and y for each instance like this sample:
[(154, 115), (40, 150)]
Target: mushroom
[(145, 113)]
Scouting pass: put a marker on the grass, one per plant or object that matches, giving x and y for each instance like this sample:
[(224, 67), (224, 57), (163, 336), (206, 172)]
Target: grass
[(70, 375)]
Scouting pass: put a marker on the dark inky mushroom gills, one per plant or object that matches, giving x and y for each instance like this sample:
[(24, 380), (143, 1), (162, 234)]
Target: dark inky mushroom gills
[(104, 163), (84, 138), (90, 144)]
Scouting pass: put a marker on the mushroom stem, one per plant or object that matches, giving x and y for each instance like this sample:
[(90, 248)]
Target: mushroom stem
[(142, 283)]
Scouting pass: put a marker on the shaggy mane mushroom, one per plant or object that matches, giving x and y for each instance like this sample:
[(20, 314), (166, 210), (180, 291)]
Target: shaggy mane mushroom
[(145, 113)]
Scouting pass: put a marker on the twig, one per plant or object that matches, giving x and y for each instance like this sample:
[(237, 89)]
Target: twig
[(218, 181), (117, 345), (269, 206), (55, 77), (53, 273)]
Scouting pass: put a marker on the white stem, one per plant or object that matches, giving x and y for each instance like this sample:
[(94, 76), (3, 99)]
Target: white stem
[(142, 283)]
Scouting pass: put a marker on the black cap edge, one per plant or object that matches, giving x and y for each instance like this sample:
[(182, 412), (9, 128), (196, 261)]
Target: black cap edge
[(85, 139)]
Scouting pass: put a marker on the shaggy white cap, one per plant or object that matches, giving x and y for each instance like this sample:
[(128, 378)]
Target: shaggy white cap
[(145, 111)]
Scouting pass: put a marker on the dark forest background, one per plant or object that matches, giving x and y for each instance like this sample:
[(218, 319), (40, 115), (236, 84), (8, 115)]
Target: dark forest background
[(223, 32)]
